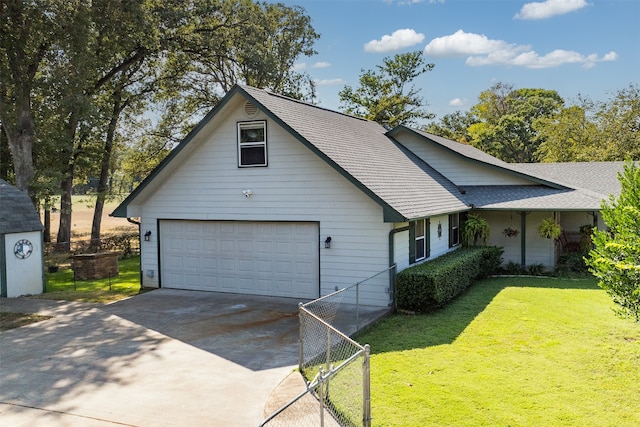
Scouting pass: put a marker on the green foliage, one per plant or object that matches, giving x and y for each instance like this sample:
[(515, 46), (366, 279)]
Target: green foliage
[(506, 117), (513, 268), (571, 264), (388, 95), (549, 229), (453, 126), (432, 284), (615, 257), (536, 270), (590, 131), (475, 228)]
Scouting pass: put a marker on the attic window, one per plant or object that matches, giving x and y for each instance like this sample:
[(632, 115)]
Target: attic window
[(252, 143)]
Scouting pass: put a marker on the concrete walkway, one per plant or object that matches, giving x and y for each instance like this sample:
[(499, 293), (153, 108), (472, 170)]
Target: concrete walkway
[(164, 358)]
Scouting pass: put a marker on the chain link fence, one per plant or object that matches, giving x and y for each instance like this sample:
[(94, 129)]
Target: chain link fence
[(335, 367)]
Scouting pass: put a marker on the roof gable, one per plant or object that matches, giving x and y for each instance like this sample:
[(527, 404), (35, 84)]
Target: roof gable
[(402, 184), (476, 156)]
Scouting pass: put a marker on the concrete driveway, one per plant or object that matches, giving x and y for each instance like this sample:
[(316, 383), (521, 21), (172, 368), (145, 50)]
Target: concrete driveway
[(163, 358)]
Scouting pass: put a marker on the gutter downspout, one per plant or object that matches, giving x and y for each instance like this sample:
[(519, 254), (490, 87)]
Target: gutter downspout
[(393, 272), (132, 221)]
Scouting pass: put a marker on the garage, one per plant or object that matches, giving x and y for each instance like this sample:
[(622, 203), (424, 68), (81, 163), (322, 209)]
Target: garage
[(259, 258)]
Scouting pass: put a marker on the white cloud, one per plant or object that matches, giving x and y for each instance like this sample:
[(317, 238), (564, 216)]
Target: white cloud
[(457, 102), (399, 39), (549, 8), (321, 64), (480, 50), (463, 44), (300, 66), (329, 82)]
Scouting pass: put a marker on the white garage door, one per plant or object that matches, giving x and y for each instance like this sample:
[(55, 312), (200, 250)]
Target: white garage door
[(262, 258)]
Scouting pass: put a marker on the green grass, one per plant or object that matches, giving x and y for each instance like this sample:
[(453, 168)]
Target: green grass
[(509, 352), (60, 285)]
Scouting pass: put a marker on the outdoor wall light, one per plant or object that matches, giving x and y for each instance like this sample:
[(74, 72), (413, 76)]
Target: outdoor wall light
[(439, 230), (247, 193), (327, 242), (147, 236)]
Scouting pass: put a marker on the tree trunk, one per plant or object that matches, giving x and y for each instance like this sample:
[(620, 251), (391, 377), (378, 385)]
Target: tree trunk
[(63, 241), (104, 173), (20, 142), (47, 225)]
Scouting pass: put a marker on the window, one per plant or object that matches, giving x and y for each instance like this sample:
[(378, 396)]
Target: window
[(454, 230), (252, 144), (419, 240), (421, 249)]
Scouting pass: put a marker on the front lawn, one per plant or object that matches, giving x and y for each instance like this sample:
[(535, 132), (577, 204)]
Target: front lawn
[(509, 352)]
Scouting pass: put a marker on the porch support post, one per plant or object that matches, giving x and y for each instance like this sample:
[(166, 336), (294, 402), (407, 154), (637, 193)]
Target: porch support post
[(523, 237)]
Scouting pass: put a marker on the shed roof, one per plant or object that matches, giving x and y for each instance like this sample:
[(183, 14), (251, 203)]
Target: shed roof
[(17, 213)]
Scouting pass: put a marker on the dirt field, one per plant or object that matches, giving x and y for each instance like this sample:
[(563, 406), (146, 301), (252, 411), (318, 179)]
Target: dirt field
[(82, 217)]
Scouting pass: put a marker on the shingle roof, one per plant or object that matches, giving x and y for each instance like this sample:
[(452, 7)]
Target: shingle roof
[(588, 184), (530, 198), (360, 149), (17, 213), (403, 184), (598, 177)]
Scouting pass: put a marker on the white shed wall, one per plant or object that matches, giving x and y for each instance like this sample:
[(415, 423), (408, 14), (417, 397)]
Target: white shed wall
[(24, 276), (296, 186)]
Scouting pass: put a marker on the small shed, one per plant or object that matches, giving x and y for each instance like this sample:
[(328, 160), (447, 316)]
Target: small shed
[(21, 244)]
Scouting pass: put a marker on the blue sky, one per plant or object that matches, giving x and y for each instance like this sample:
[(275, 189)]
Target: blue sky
[(586, 47)]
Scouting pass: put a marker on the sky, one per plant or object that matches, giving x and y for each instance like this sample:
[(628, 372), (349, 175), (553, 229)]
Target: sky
[(587, 48)]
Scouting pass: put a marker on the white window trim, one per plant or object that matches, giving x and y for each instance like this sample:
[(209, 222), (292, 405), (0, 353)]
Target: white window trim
[(256, 124)]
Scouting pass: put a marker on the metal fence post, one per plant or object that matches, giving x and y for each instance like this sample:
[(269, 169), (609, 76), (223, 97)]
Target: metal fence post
[(321, 398), (300, 338), (358, 305), (366, 389)]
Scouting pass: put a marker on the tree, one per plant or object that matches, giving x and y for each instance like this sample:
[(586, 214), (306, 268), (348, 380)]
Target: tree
[(453, 126), (618, 122), (506, 117), (26, 35), (388, 95), (567, 136), (593, 131), (615, 257)]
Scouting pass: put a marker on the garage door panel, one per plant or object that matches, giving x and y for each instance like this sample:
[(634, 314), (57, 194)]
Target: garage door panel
[(264, 258)]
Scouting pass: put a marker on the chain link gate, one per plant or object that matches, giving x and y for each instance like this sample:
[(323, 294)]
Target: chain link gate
[(335, 367)]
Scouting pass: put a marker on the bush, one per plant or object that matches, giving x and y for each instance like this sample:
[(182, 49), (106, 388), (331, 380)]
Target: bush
[(431, 284), (572, 264), (512, 268)]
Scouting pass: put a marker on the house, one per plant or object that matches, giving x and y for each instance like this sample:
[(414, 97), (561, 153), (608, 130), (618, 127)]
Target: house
[(21, 244), (272, 196)]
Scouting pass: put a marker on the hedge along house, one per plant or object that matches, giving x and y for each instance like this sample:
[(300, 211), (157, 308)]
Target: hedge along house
[(21, 244), (272, 196)]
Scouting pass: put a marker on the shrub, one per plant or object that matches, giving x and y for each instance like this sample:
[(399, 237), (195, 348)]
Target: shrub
[(571, 264), (536, 270), (431, 284), (512, 268)]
